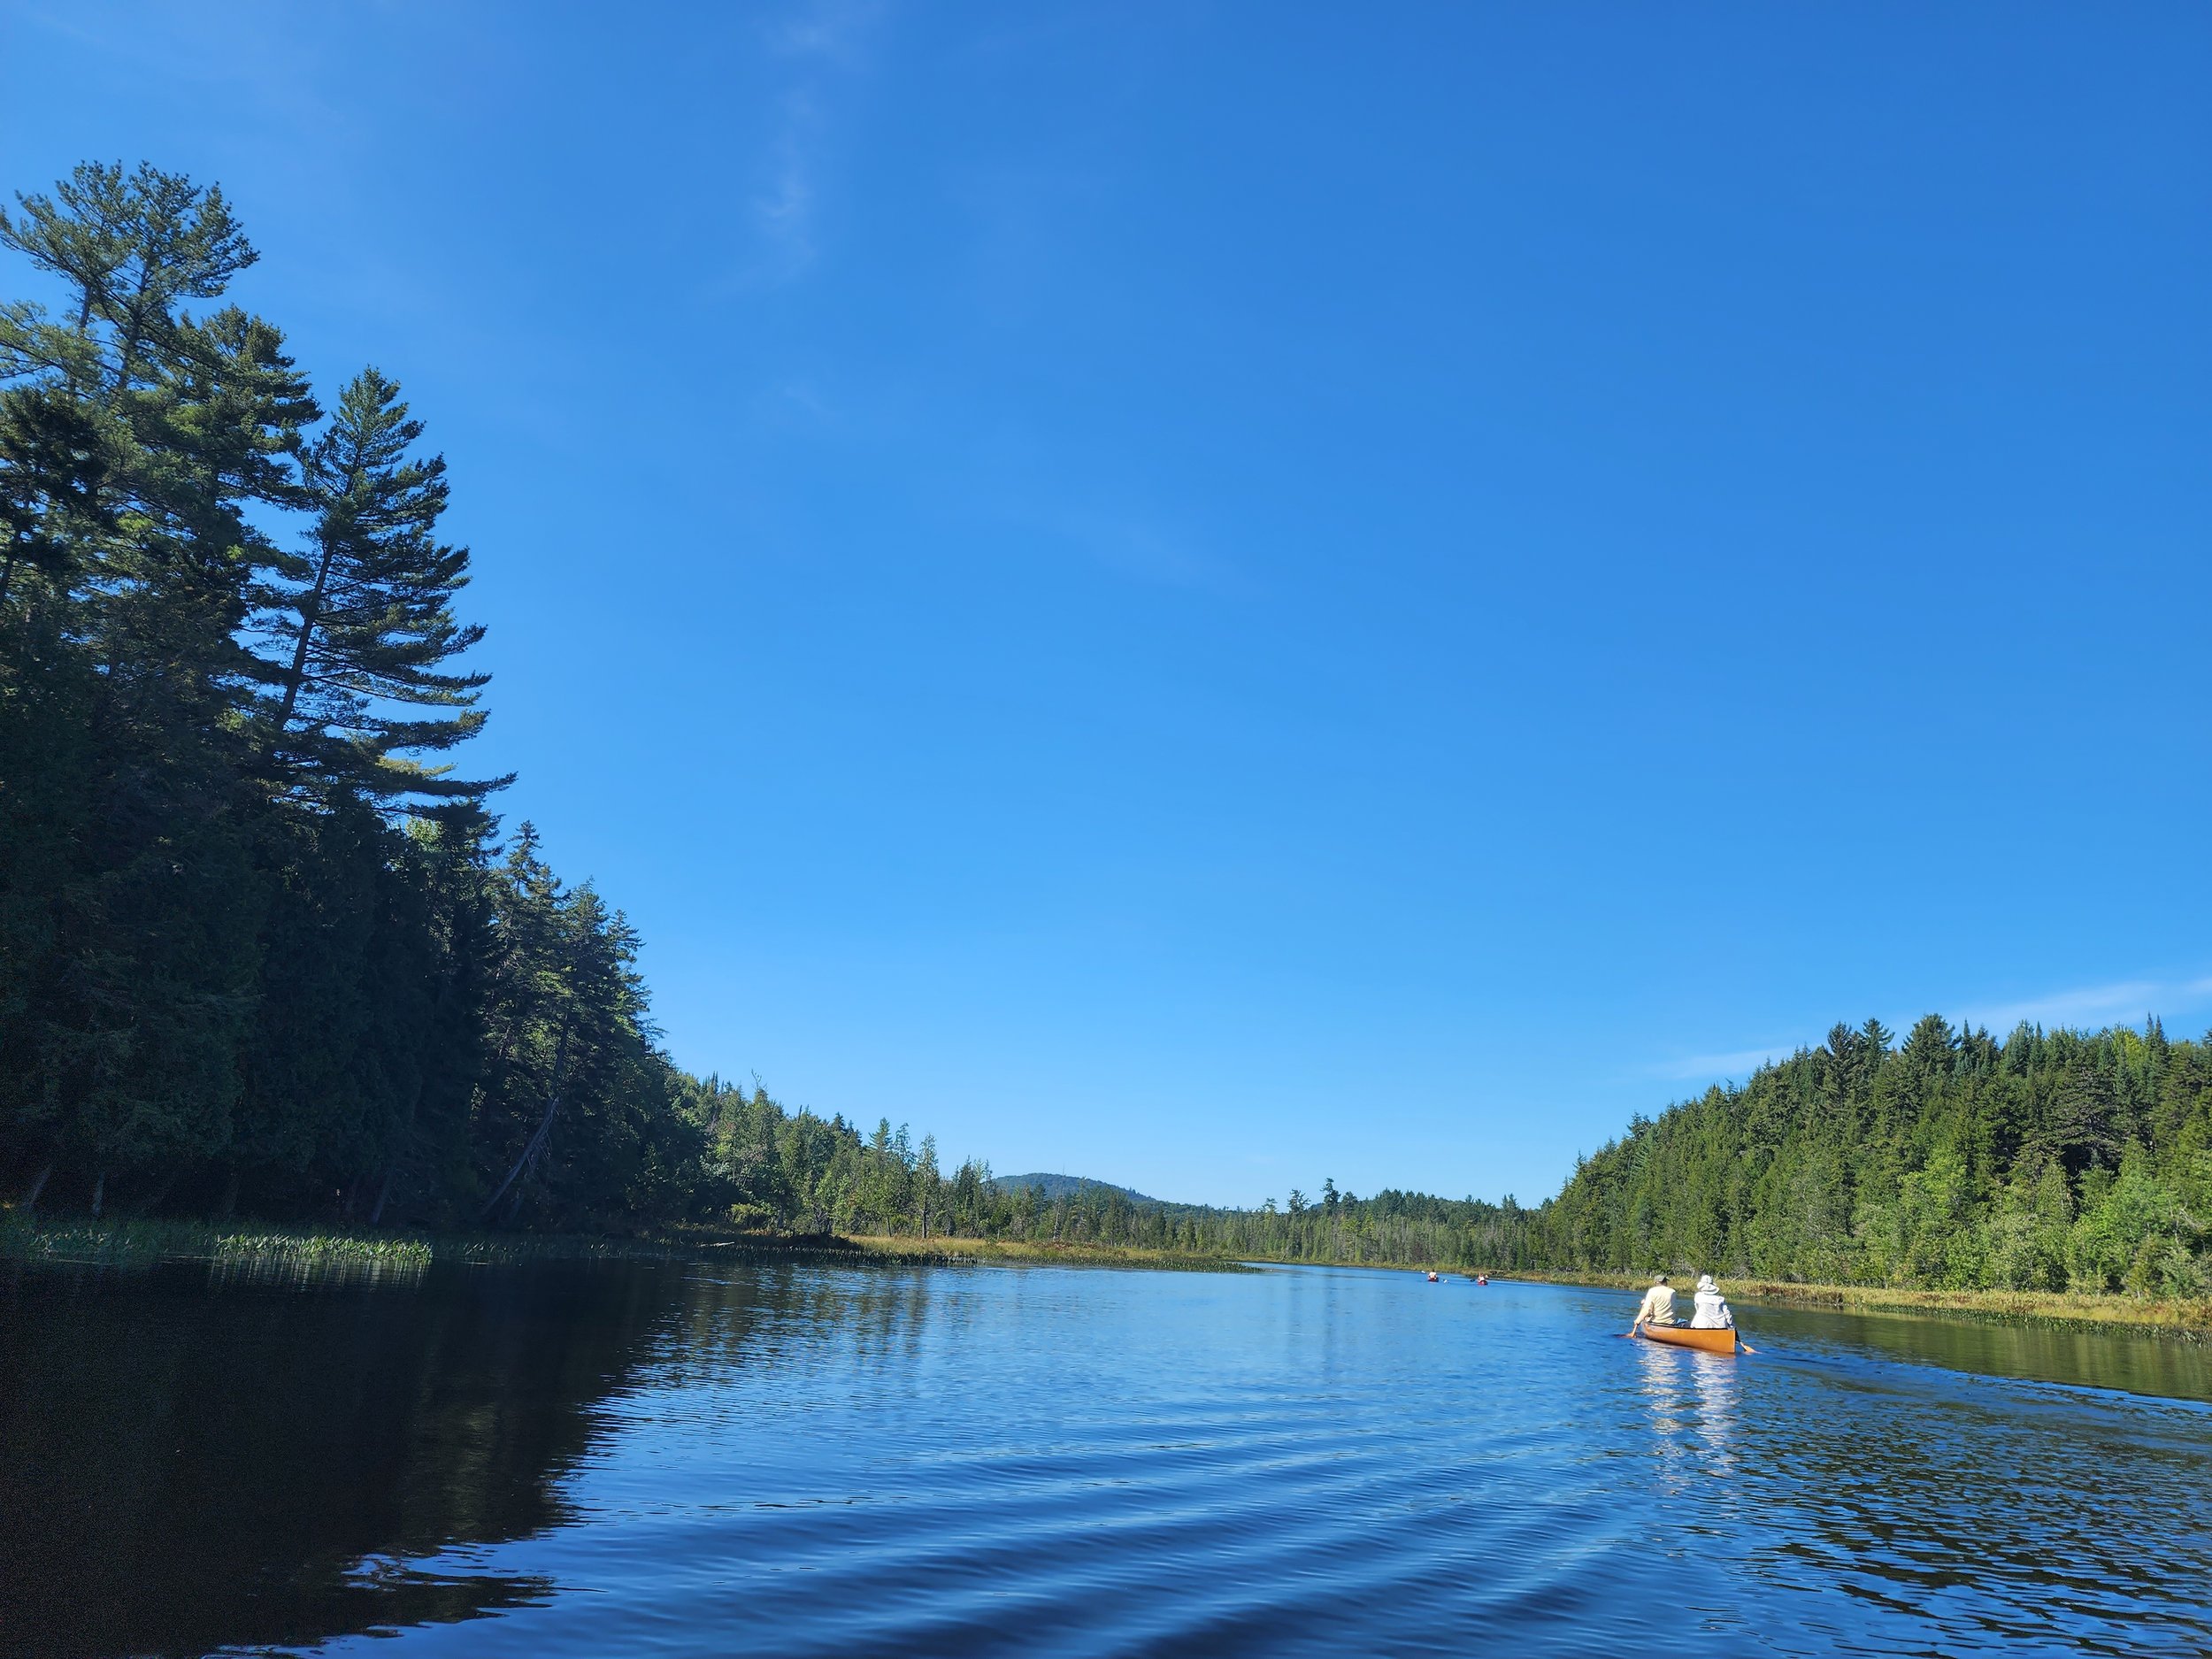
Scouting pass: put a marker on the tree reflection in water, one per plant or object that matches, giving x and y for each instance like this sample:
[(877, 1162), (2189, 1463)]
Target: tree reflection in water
[(185, 1466)]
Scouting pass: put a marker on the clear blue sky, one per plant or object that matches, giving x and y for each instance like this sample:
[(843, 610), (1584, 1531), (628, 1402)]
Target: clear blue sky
[(1215, 595)]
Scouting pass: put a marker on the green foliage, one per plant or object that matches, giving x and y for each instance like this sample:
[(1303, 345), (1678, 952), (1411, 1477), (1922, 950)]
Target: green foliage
[(257, 946), (2051, 1160), (140, 1243), (361, 622)]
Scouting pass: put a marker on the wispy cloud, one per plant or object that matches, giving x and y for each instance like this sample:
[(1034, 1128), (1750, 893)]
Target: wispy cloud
[(1147, 552), (2128, 999), (796, 403), (836, 30), (819, 40), (783, 208), (1714, 1067), (2124, 999)]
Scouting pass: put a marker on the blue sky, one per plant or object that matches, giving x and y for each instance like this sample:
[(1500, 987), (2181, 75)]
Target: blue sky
[(1214, 595)]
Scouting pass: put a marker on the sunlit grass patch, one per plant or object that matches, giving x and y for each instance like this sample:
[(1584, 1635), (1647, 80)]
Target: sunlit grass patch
[(1065, 1252), (232, 1252)]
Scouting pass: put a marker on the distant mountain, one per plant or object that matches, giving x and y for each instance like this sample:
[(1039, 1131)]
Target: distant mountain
[(1061, 1186)]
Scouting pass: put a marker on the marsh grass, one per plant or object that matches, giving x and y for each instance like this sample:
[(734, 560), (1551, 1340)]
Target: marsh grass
[(261, 1253), (2190, 1318), (961, 1251), (258, 1253), (232, 1253)]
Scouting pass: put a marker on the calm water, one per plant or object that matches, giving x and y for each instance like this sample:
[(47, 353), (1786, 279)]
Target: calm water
[(683, 1459)]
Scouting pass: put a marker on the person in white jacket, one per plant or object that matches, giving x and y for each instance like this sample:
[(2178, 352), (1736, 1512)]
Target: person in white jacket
[(1711, 1309)]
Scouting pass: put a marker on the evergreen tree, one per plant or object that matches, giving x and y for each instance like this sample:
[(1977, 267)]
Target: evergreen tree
[(141, 441), (362, 626)]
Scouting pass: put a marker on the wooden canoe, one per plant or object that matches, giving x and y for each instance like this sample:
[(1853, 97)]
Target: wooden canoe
[(1682, 1336)]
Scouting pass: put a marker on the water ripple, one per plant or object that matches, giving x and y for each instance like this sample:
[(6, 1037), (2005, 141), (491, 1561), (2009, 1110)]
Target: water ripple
[(1087, 1463), (834, 1460)]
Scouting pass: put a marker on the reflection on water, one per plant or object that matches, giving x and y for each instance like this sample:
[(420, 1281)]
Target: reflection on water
[(183, 1469), (290, 1270), (2007, 1514), (1714, 1383), (2168, 1364), (793, 1460), (1690, 1401)]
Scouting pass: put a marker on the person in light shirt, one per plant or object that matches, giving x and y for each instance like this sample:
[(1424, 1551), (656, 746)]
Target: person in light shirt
[(1658, 1305), (1711, 1312)]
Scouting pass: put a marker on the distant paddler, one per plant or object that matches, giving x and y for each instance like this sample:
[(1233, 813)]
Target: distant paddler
[(1432, 1278)]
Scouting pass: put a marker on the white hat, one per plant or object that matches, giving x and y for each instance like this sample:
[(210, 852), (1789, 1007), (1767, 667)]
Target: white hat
[(1705, 1282)]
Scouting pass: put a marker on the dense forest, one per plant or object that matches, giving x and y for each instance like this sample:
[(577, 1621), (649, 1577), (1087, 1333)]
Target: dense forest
[(264, 947), (2045, 1161), (2049, 1160), (261, 942)]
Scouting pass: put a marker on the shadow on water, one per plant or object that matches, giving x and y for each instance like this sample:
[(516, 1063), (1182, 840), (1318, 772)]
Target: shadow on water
[(186, 1463)]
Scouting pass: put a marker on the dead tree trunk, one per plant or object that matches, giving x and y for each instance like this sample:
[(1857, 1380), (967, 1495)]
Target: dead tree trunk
[(383, 1194), (536, 1143)]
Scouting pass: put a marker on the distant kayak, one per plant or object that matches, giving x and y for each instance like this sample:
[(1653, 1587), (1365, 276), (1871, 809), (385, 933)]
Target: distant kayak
[(1683, 1336)]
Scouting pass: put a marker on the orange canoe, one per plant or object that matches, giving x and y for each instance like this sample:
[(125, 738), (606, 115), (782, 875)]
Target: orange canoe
[(1682, 1336)]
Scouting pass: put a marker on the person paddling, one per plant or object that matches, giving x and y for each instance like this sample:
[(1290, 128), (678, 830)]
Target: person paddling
[(1658, 1305)]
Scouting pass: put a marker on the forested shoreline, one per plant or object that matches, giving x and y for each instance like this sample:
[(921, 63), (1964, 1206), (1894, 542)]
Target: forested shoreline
[(264, 948), (2058, 1160), (267, 950), (2047, 1161), (262, 945)]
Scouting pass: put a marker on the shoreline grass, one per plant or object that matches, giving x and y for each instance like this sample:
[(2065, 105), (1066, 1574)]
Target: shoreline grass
[(1064, 1253), (260, 1251), (257, 1250), (2190, 1318), (247, 1249)]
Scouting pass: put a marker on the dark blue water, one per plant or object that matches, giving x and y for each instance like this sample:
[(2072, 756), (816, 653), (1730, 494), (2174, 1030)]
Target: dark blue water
[(795, 1460)]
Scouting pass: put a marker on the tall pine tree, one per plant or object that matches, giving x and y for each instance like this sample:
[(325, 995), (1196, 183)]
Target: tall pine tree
[(362, 629)]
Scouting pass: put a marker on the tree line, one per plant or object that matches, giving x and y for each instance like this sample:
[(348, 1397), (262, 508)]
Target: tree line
[(261, 942), (263, 946), (2044, 1161)]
